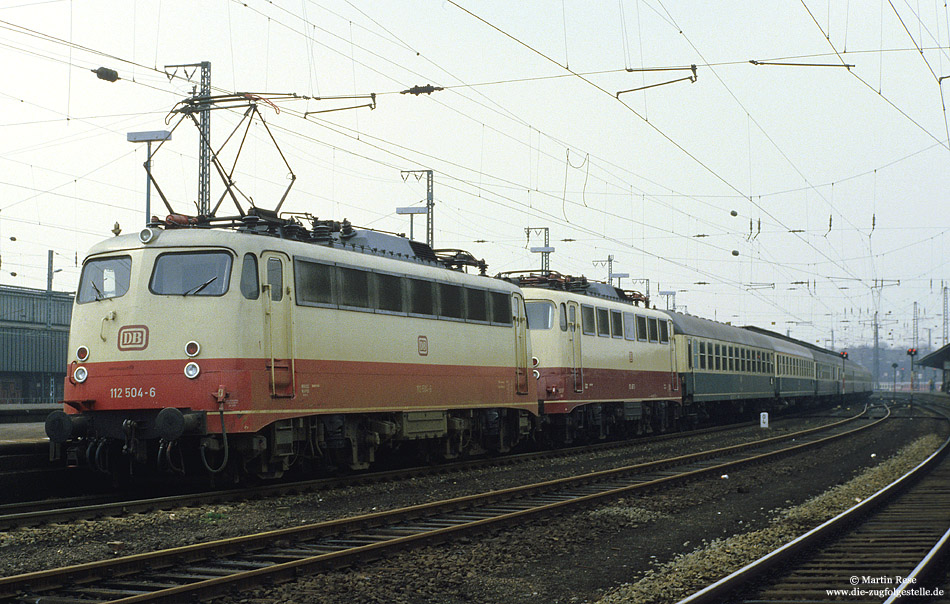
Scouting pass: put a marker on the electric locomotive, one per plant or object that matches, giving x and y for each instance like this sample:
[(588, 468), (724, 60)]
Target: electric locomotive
[(252, 343), (604, 360)]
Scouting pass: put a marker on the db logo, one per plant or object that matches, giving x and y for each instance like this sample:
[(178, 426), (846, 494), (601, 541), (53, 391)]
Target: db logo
[(133, 337), (423, 346)]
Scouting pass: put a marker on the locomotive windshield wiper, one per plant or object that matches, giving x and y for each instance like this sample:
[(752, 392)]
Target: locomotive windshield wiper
[(195, 290), (99, 295)]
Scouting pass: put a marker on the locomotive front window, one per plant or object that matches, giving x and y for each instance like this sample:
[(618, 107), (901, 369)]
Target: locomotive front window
[(540, 315), (191, 273), (104, 278)]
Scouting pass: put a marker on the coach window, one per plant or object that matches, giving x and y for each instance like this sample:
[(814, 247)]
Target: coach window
[(732, 358), (104, 278), (718, 360), (562, 313), (695, 350), (388, 292), (641, 328), (588, 322), (540, 314), (629, 326), (616, 323), (476, 306), (313, 282), (500, 307), (420, 297), (354, 288), (702, 355), (665, 333), (451, 299), (191, 274), (654, 330)]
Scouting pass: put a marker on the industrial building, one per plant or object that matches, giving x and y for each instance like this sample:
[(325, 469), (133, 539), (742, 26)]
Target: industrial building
[(34, 332)]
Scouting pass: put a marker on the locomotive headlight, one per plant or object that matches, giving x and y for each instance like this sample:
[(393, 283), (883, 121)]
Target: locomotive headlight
[(535, 362), (191, 370), (82, 354), (80, 374), (536, 374), (192, 349), (147, 235)]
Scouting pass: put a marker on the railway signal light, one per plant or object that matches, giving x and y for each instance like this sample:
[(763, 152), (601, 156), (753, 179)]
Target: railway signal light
[(912, 352)]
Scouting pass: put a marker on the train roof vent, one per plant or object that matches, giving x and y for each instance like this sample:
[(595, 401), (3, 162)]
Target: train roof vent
[(422, 251)]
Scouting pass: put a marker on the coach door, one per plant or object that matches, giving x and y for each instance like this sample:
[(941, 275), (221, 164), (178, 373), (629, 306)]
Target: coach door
[(574, 332), (278, 308), (521, 342)]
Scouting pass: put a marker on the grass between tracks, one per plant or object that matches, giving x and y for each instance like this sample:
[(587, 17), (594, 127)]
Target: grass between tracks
[(688, 573)]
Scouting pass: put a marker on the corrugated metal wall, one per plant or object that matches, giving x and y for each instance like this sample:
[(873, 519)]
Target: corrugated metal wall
[(27, 345), (33, 350), (29, 306)]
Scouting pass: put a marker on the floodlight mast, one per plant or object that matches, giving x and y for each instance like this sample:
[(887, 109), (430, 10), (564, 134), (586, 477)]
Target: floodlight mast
[(148, 137)]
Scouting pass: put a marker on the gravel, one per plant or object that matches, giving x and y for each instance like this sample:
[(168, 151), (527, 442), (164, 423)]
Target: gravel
[(688, 573), (572, 558)]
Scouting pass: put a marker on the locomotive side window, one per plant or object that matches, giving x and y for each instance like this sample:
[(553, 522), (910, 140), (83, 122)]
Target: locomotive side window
[(641, 328), (563, 316), (104, 278), (191, 274), (275, 277), (451, 298), (616, 323), (664, 333), (603, 322), (587, 319), (500, 308), (313, 282), (421, 300), (540, 315), (629, 326), (250, 284), (475, 305), (654, 330), (354, 288), (388, 292)]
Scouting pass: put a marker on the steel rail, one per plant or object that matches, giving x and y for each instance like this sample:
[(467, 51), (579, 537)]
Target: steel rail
[(842, 524), (37, 513), (207, 571)]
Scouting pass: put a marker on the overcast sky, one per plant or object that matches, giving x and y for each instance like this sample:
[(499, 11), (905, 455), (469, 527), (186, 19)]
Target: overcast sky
[(837, 175)]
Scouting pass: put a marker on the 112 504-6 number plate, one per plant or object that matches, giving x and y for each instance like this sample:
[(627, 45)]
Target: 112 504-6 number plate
[(132, 392)]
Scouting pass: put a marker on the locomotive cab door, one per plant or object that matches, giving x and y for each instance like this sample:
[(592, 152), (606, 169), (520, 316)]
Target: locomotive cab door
[(278, 317), (521, 342), (674, 373), (574, 333)]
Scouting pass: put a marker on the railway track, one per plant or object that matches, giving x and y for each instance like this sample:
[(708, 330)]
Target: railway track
[(218, 568), (893, 546), (37, 513)]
